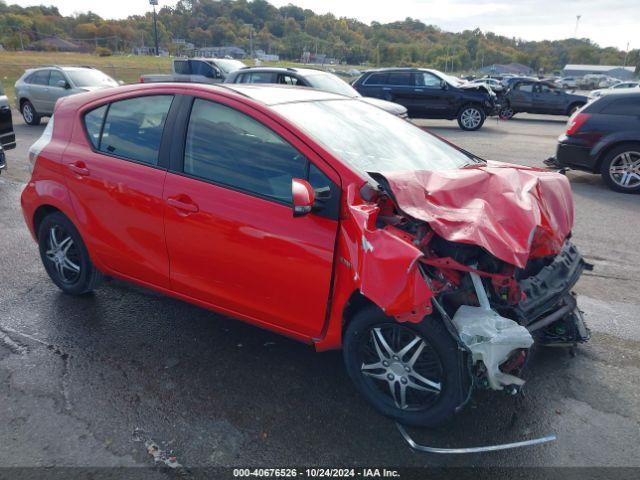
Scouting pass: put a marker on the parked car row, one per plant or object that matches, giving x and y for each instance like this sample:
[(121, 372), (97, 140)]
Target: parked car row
[(404, 92)]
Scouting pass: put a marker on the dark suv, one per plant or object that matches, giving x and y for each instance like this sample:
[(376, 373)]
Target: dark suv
[(604, 137), (533, 96), (430, 94)]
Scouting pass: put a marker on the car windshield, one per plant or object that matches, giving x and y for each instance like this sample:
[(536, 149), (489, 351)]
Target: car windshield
[(331, 83), (370, 139), (228, 65), (90, 78)]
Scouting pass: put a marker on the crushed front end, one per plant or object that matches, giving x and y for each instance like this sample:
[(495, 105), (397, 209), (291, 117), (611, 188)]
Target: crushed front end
[(487, 249)]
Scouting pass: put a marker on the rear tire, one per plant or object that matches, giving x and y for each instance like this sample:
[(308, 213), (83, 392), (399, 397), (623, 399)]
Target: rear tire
[(29, 114), (65, 256), (438, 361), (620, 168), (471, 117), (506, 113)]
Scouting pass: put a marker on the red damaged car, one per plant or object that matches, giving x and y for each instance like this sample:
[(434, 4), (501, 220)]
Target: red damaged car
[(318, 217)]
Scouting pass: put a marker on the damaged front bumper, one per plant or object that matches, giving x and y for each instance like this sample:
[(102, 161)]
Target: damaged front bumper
[(549, 309), (547, 314)]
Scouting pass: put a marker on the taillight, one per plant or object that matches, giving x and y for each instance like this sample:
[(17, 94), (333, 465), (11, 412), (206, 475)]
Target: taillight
[(575, 122), (141, 80), (40, 144)]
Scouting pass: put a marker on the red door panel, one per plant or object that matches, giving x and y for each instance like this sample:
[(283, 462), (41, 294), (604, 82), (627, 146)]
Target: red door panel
[(119, 204), (247, 255)]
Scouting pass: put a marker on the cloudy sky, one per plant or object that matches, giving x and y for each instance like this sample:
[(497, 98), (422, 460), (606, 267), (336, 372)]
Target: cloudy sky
[(607, 22)]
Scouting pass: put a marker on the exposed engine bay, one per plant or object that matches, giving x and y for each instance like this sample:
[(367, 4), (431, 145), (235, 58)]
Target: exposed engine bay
[(503, 285)]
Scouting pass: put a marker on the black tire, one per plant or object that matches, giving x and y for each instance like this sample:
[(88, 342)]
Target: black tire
[(471, 117), (29, 113), (616, 158), (79, 282), (506, 113), (573, 108), (439, 361)]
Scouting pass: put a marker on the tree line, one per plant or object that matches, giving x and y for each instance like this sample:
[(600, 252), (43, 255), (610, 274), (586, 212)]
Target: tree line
[(290, 30)]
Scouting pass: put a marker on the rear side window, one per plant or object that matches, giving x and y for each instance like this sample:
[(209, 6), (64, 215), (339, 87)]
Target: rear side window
[(258, 77), (400, 79), (376, 79), (230, 148), (40, 77), (623, 106), (288, 80), (93, 123), (524, 87), (133, 128), (182, 67), (201, 68)]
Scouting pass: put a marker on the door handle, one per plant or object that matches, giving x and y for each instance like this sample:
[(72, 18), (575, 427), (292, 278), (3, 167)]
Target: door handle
[(79, 168), (386, 88), (182, 203)]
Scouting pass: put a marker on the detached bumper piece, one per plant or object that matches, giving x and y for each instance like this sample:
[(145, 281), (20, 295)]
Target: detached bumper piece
[(488, 448), (550, 311)]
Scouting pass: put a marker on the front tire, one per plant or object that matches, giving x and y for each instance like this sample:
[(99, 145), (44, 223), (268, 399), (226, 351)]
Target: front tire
[(410, 372), (29, 114), (65, 256), (620, 168), (471, 117)]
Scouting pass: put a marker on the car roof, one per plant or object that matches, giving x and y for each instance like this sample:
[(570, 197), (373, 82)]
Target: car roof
[(301, 71), (269, 94), (266, 94), (401, 69), (61, 67)]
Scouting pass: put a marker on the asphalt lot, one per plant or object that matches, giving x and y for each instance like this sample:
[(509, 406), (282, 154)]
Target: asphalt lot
[(96, 381)]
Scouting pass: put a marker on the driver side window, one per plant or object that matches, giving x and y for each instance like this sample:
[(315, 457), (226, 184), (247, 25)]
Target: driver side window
[(227, 147), (425, 79)]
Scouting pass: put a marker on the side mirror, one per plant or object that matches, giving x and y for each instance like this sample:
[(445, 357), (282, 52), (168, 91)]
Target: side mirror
[(63, 84), (120, 82), (303, 197), (444, 85)]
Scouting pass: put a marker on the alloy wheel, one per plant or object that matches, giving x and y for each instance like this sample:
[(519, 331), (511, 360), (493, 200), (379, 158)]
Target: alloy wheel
[(27, 113), (401, 365), (506, 113), (63, 254), (471, 118), (624, 170)]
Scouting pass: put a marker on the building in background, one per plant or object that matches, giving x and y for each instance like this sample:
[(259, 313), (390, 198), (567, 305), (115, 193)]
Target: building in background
[(267, 57), (512, 68), (615, 71), (220, 52)]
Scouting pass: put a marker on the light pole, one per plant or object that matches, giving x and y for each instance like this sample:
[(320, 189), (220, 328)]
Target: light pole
[(250, 25), (575, 33), (155, 24)]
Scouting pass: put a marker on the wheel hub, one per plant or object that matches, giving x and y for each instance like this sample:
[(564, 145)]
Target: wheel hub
[(60, 247), (625, 169), (396, 368)]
